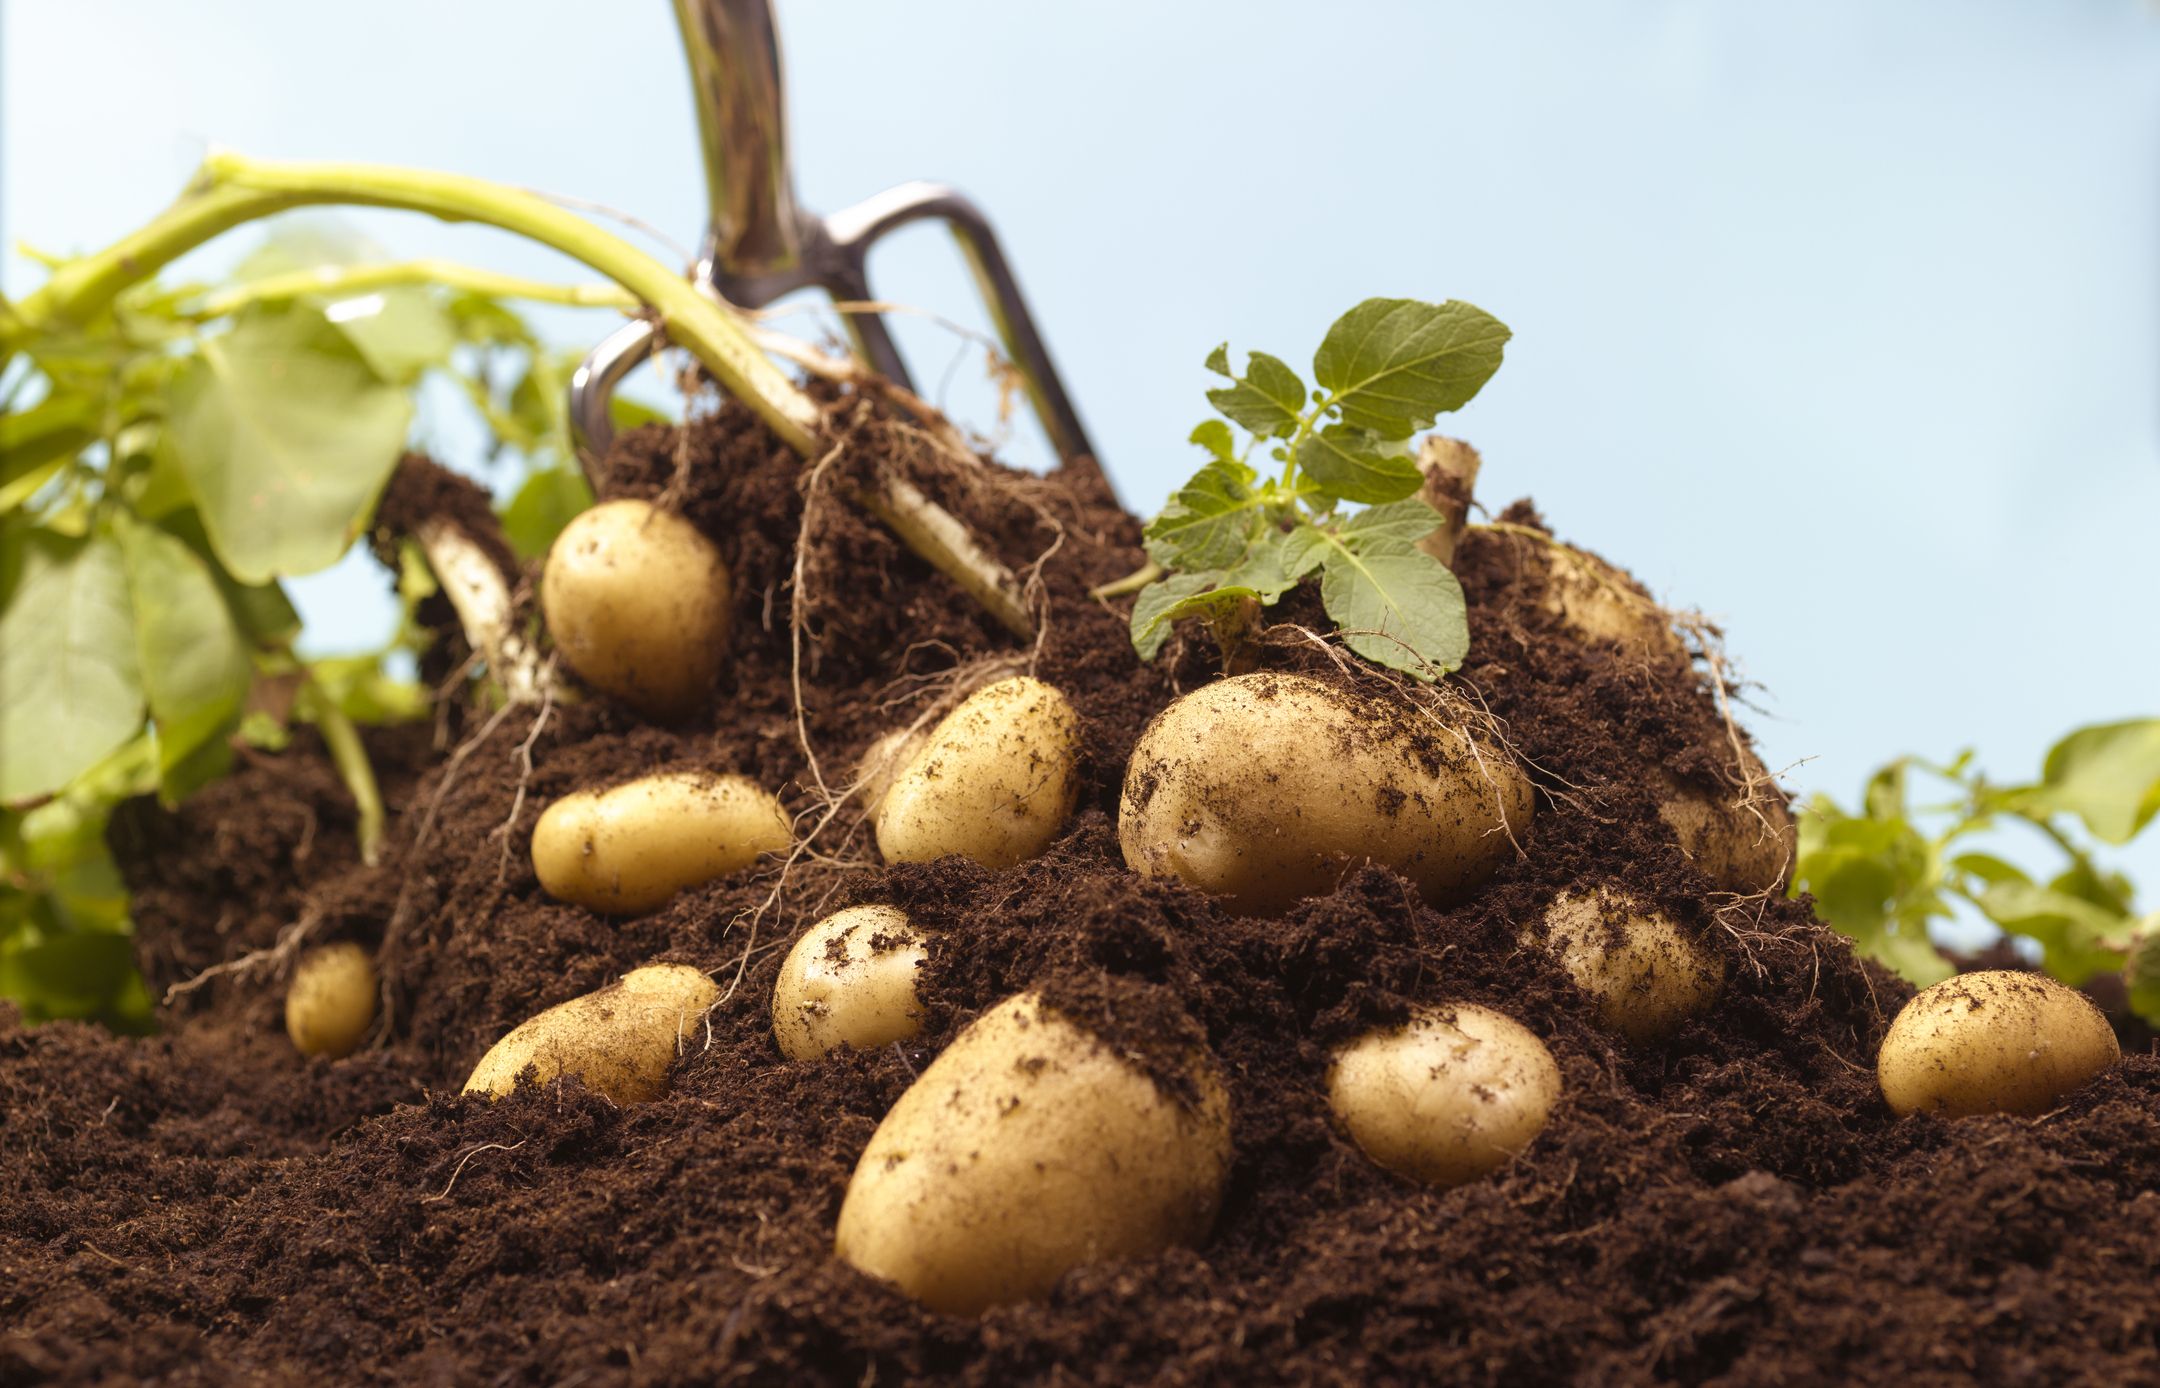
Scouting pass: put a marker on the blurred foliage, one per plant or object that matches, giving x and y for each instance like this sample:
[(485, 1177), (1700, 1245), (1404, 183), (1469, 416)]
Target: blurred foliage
[(162, 469), (1884, 871)]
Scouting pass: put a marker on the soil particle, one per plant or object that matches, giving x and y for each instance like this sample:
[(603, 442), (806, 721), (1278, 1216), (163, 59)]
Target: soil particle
[(1732, 1205)]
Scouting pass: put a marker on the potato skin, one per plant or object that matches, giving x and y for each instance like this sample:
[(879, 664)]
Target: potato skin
[(1025, 1150), (850, 980), (1729, 844), (632, 847), (1599, 603), (1646, 973), (1263, 789), (620, 1040), (994, 782), (886, 759), (1447, 1098), (330, 1003), (639, 603), (1995, 1041)]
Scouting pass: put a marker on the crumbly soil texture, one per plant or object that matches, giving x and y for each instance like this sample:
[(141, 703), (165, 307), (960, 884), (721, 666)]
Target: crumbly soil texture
[(1733, 1205)]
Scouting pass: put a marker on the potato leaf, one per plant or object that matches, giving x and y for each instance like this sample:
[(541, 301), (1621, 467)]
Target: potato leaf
[(286, 437), (1346, 464), (1214, 436), (2078, 938), (194, 658), (1392, 365), (70, 681), (2107, 775), (1161, 605), (1267, 400), (1410, 520), (1397, 605), (1210, 521)]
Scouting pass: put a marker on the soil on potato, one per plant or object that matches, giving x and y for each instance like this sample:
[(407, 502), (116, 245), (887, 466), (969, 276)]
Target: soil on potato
[(1733, 1205)]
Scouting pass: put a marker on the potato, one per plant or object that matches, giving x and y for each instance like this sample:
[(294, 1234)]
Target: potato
[(1646, 973), (639, 604), (620, 1040), (1599, 603), (1997, 1041), (628, 849), (1729, 843), (330, 1003), (994, 781), (887, 758), (1263, 789), (1027, 1149), (1448, 1097), (850, 980)]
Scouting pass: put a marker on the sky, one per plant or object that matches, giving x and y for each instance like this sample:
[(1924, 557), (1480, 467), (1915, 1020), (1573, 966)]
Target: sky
[(1839, 320)]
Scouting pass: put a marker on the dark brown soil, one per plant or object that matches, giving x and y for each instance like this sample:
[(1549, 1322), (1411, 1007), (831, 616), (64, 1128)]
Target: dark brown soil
[(1732, 1206)]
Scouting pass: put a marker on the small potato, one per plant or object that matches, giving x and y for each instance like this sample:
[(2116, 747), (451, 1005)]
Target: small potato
[(994, 781), (1447, 1098), (887, 758), (1264, 789), (1647, 974), (330, 1003), (639, 604), (628, 849), (1025, 1150), (1730, 843), (619, 1040), (1599, 603), (1997, 1041), (850, 980)]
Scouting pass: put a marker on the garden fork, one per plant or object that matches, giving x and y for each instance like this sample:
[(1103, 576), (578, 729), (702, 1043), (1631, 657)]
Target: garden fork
[(761, 245)]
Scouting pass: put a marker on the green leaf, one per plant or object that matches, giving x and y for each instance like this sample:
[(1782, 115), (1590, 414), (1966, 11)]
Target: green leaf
[(549, 500), (1214, 436), (1268, 400), (2078, 938), (400, 331), (1396, 605), (1210, 521), (2142, 972), (1408, 521), (1162, 604), (1392, 365), (193, 655), (70, 686), (1876, 880), (35, 444), (1343, 463), (2107, 775), (262, 609), (286, 437)]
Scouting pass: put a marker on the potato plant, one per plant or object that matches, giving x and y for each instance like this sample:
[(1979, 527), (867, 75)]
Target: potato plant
[(1883, 872)]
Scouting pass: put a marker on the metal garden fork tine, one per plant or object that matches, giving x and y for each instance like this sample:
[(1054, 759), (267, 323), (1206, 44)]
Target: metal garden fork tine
[(760, 245)]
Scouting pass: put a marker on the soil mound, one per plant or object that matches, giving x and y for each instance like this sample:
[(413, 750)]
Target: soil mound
[(1734, 1205)]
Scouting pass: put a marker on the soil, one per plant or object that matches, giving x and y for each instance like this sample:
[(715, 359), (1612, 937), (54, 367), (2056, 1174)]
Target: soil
[(1733, 1205)]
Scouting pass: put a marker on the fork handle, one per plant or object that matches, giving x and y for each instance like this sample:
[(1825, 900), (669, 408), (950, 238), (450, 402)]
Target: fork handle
[(754, 226)]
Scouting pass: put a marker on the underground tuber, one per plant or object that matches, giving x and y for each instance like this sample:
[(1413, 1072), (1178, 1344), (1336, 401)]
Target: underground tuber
[(630, 848), (637, 600), (1995, 1041), (1645, 973), (994, 782), (1265, 789), (620, 1040), (330, 1003), (849, 981), (1449, 1096)]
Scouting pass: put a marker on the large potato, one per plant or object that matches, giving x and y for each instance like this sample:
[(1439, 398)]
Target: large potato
[(1646, 973), (994, 782), (886, 758), (620, 1040), (330, 1003), (1599, 603), (630, 848), (1997, 1041), (1267, 788), (639, 604), (1448, 1097), (850, 980), (1739, 847), (1025, 1150)]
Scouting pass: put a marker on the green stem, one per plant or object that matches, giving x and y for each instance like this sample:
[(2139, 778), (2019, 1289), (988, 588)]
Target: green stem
[(350, 757), (1131, 583), (232, 190), (340, 280)]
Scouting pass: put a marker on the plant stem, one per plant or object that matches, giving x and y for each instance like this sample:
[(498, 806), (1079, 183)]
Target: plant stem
[(350, 757), (232, 190), (1131, 583), (340, 280)]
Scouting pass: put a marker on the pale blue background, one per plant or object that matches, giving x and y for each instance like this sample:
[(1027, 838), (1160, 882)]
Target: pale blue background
[(1837, 319)]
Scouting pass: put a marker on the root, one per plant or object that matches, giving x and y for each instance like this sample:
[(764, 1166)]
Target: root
[(481, 596), (469, 1155), (797, 607), (1758, 788), (525, 768), (274, 960)]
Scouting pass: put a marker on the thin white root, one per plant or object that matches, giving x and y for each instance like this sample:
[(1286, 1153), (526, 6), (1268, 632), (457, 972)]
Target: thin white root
[(481, 596), (272, 960)]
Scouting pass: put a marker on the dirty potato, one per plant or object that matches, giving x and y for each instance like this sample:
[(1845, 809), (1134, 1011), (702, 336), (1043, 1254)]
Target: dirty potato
[(850, 980), (639, 603), (994, 782), (620, 1040), (630, 848)]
